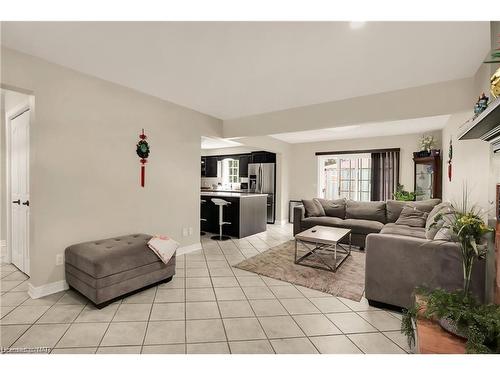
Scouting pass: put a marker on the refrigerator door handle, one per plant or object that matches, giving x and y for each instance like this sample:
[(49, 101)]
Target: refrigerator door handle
[(260, 178)]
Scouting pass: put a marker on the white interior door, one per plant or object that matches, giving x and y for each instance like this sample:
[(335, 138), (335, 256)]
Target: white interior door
[(19, 190)]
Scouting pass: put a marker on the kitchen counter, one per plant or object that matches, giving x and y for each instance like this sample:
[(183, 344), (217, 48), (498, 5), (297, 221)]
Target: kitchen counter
[(230, 194), (226, 190), (246, 215)]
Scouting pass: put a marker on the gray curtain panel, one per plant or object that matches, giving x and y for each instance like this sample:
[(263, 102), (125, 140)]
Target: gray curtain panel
[(385, 175)]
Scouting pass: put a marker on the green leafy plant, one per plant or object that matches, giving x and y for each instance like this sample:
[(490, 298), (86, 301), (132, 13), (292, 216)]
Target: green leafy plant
[(465, 226), (479, 323), (402, 195)]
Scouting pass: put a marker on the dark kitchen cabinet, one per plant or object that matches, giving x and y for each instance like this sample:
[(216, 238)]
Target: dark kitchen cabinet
[(244, 160), (203, 166), (263, 157), (211, 166)]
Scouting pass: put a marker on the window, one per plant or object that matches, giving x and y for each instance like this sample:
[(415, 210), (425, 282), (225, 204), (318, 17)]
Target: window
[(345, 176), (234, 171), (230, 171)]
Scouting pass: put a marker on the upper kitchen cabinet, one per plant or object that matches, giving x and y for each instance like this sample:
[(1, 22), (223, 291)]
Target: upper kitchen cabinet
[(211, 166), (263, 157), (203, 166), (244, 161)]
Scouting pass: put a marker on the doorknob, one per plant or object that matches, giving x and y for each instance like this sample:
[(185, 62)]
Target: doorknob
[(27, 203), (18, 201)]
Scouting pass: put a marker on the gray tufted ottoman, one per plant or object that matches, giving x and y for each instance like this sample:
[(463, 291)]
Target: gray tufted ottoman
[(106, 269)]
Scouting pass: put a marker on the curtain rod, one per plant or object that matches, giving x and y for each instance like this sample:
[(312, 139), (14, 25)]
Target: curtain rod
[(380, 150)]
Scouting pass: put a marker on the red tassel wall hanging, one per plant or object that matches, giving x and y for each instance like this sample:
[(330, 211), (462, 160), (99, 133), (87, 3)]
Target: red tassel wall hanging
[(450, 158), (142, 151)]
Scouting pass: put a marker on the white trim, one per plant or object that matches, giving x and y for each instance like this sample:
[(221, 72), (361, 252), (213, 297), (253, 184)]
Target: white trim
[(16, 111), (4, 252), (46, 289), (188, 249)]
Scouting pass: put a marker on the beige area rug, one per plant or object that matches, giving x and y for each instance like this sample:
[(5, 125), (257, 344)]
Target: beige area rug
[(278, 263)]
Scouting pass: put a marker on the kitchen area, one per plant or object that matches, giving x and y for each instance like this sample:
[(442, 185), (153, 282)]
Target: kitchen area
[(244, 188)]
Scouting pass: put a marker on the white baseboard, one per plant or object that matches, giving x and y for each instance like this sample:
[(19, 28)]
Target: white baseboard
[(46, 289), (188, 249), (4, 253)]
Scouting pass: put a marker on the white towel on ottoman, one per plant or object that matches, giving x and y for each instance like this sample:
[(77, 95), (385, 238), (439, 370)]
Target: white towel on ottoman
[(163, 246)]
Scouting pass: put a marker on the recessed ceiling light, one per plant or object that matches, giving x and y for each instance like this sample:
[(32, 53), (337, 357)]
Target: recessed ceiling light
[(357, 24)]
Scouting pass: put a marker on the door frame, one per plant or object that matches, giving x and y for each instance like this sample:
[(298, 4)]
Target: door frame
[(9, 116)]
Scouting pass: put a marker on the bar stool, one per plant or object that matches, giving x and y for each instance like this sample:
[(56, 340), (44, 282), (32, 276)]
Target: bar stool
[(201, 218), (221, 203)]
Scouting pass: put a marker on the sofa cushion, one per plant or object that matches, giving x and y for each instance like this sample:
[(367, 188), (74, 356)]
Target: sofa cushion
[(357, 226), (326, 221), (360, 226), (430, 229), (113, 255), (366, 211), (313, 208), (333, 208), (394, 207), (403, 230), (412, 217)]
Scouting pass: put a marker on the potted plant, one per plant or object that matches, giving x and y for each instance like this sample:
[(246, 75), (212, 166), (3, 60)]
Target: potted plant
[(458, 312), (402, 195)]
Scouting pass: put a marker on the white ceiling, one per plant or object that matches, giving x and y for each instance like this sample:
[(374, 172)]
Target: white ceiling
[(208, 143), (367, 130), (234, 69)]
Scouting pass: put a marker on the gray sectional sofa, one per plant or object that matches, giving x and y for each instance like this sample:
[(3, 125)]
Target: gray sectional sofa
[(398, 257), (363, 218)]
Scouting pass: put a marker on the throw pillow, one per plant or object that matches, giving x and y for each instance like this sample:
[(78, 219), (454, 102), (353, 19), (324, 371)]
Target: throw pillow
[(374, 211), (444, 234), (313, 208), (412, 217), (394, 207), (333, 208), (432, 229)]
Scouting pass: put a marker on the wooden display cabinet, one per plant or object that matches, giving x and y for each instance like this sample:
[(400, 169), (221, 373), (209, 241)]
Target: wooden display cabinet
[(427, 175)]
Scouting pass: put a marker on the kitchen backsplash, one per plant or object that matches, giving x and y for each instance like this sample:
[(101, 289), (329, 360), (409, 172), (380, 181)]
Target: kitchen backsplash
[(210, 181)]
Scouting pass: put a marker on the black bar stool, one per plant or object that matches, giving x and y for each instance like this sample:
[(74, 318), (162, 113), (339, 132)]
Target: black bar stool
[(201, 218)]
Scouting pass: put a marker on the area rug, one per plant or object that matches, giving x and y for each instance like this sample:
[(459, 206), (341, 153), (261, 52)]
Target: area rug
[(278, 263)]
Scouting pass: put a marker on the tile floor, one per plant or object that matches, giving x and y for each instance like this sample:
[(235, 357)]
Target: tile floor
[(209, 307)]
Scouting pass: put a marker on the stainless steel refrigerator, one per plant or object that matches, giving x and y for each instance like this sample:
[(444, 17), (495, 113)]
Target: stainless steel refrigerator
[(262, 179)]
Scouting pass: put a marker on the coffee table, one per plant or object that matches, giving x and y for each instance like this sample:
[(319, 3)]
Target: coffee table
[(326, 244)]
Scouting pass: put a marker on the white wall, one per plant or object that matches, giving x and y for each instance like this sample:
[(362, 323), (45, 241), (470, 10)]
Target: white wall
[(304, 167), (471, 165), (84, 169), (228, 150)]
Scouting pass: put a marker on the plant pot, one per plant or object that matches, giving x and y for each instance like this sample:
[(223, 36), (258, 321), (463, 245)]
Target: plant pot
[(430, 338), (450, 326)]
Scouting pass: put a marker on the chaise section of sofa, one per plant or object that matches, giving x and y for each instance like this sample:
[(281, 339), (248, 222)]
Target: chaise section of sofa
[(397, 263)]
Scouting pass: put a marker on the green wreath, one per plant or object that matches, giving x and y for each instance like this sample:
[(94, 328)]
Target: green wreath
[(142, 149)]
